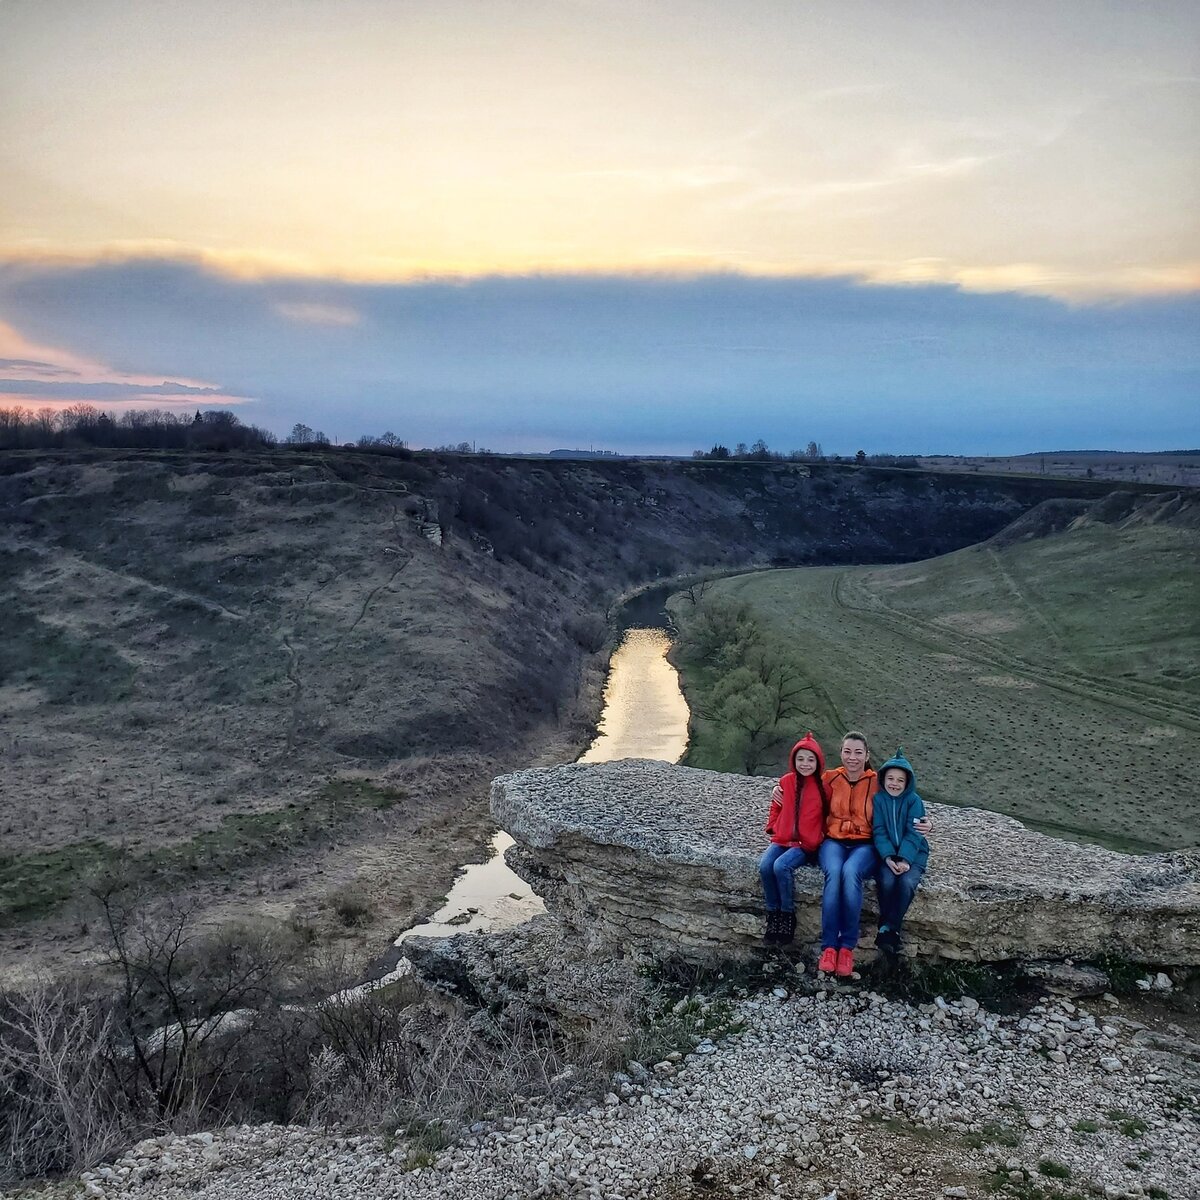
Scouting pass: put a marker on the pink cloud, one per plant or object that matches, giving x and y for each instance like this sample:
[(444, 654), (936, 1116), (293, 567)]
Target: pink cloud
[(23, 358), (57, 378)]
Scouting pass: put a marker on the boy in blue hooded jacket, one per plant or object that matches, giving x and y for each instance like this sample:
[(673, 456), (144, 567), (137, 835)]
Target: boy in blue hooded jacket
[(903, 851)]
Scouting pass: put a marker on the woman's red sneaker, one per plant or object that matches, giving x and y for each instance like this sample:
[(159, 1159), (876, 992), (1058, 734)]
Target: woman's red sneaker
[(845, 963), (828, 962)]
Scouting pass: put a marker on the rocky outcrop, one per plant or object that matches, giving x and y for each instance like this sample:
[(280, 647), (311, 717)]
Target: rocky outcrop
[(663, 858)]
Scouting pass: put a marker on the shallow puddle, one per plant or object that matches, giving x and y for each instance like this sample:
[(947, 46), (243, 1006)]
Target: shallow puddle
[(485, 895)]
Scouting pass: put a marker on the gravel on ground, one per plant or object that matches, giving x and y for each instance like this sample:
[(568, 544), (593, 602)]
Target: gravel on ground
[(814, 1092)]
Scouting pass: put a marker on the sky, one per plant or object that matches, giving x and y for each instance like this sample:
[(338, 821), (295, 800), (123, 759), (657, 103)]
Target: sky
[(644, 226)]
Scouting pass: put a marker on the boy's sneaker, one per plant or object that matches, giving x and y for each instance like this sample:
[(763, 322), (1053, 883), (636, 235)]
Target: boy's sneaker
[(888, 940), (828, 960), (845, 963), (787, 929)]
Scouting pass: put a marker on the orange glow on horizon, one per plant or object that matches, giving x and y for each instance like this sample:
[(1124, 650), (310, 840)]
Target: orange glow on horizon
[(182, 402)]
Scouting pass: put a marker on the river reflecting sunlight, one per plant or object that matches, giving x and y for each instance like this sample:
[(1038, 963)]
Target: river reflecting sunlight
[(644, 716)]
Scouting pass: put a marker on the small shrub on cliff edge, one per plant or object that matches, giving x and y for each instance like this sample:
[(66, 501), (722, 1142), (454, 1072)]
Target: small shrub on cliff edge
[(1000, 987)]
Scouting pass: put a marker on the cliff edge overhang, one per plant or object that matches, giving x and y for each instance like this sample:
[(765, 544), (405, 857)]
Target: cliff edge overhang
[(663, 859)]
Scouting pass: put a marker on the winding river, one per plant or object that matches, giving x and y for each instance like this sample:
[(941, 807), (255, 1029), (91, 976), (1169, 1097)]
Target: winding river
[(644, 716)]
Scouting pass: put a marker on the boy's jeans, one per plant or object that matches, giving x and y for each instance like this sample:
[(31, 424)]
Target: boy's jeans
[(896, 894), (776, 869), (846, 865)]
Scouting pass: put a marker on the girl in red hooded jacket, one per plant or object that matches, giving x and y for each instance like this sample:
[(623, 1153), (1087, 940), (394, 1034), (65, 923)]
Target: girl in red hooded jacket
[(796, 824)]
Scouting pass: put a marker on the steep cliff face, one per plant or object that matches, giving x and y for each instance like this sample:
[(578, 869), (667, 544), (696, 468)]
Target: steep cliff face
[(224, 646), (661, 858)]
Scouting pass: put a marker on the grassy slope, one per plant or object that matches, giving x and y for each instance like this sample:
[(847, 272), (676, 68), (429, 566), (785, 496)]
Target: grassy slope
[(1054, 678)]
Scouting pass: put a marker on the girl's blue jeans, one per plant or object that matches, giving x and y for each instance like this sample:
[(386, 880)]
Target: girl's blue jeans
[(845, 865), (896, 894), (777, 869)]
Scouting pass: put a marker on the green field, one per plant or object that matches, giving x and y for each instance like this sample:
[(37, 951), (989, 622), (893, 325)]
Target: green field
[(1055, 678)]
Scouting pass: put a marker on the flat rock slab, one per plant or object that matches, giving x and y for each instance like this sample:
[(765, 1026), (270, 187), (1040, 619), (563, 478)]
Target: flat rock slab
[(664, 858)]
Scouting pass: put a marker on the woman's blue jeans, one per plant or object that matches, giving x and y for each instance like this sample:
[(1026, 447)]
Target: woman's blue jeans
[(896, 894), (776, 869), (845, 865)]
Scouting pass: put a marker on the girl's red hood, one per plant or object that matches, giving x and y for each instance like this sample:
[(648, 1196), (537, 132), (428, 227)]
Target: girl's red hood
[(808, 742)]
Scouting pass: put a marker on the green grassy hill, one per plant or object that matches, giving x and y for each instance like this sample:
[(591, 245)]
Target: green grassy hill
[(1052, 672)]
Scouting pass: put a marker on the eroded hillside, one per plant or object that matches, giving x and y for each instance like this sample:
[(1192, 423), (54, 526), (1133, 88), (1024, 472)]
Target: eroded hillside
[(284, 675)]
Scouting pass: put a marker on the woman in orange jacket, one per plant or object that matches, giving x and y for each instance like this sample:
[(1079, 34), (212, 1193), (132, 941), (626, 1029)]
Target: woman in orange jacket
[(847, 854)]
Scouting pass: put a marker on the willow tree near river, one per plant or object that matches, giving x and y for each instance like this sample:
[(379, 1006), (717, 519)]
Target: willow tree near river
[(746, 686)]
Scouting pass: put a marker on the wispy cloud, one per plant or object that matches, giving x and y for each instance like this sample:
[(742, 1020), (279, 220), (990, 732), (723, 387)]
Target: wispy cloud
[(24, 368), (104, 392), (309, 313)]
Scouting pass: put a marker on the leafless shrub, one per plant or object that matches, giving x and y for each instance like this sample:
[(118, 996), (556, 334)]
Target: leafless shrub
[(403, 1059), (191, 1029), (58, 1108), (352, 906), (696, 590), (188, 1004), (194, 1029), (589, 631)]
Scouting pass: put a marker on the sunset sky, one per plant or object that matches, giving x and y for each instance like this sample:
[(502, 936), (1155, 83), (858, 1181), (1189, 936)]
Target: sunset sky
[(640, 225)]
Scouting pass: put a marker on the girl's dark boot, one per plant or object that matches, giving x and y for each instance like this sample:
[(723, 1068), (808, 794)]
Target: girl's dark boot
[(787, 928), (771, 928)]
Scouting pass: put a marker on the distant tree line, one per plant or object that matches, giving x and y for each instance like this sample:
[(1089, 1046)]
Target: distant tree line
[(147, 428), (761, 452), (462, 448), (78, 425), (305, 435), (47, 428)]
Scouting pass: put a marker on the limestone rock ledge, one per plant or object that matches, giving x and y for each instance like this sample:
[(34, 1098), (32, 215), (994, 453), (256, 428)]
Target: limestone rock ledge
[(663, 859)]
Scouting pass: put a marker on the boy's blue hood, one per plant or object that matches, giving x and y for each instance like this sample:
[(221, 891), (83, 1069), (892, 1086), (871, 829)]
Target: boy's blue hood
[(891, 828), (898, 760)]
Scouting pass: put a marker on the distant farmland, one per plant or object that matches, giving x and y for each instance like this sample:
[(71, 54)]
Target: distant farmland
[(1175, 468), (1052, 673)]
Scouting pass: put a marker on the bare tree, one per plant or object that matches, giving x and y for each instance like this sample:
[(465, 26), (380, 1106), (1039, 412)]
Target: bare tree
[(185, 1003), (56, 1096)]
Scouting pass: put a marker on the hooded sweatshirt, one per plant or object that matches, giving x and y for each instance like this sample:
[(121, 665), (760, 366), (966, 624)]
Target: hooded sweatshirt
[(892, 823), (791, 823)]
